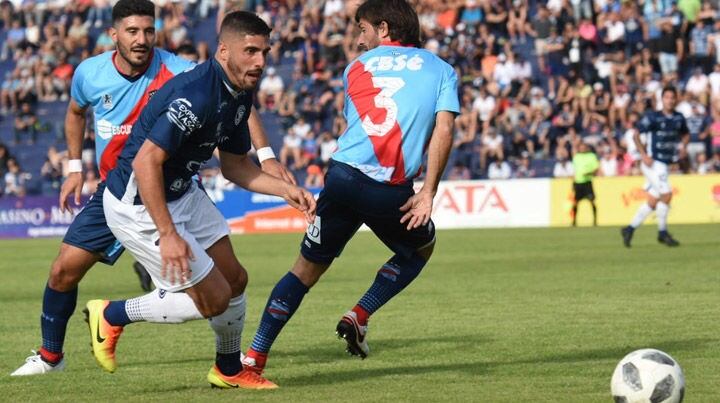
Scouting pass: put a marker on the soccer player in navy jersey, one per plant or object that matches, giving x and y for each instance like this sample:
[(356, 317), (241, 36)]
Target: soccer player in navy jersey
[(399, 101), (666, 132), (116, 85), (157, 211)]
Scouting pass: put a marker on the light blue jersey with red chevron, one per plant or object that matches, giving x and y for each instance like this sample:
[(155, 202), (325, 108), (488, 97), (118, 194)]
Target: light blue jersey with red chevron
[(392, 94), (117, 100)]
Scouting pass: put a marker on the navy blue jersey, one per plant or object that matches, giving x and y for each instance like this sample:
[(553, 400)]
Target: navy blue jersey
[(188, 117), (664, 133)]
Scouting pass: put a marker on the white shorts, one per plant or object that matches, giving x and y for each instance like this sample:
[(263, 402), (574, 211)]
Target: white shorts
[(196, 219), (656, 178)]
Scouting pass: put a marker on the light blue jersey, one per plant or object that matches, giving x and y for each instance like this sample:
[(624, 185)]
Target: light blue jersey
[(392, 94), (117, 100)]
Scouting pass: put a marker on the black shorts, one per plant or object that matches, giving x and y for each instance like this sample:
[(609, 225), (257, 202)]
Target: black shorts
[(350, 199), (583, 191)]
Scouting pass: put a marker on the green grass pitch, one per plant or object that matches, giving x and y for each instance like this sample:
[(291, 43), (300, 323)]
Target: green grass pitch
[(516, 315)]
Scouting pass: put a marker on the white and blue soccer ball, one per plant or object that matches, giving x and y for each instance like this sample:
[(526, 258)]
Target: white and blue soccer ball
[(648, 376)]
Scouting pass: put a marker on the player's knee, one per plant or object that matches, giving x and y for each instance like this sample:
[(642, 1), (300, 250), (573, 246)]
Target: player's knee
[(426, 251), (64, 276), (238, 281), (215, 304)]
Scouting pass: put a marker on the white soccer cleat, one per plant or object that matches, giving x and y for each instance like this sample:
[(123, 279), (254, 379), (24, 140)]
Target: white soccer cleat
[(35, 365)]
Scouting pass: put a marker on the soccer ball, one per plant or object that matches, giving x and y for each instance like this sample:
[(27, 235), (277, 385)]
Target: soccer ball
[(648, 376)]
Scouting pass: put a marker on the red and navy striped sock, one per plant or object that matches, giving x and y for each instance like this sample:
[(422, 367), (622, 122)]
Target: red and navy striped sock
[(392, 278), (284, 300)]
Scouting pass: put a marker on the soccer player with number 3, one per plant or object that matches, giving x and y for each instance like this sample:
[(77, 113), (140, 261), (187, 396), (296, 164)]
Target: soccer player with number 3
[(400, 100)]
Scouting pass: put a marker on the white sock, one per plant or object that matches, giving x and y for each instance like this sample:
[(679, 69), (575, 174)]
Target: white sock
[(160, 306), (661, 212), (641, 215), (228, 326)]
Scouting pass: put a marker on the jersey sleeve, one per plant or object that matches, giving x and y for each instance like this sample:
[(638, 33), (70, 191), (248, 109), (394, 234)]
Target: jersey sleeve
[(177, 120), (78, 89), (237, 142), (175, 63), (448, 96)]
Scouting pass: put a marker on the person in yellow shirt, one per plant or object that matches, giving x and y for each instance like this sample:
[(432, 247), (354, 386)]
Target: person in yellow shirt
[(586, 164)]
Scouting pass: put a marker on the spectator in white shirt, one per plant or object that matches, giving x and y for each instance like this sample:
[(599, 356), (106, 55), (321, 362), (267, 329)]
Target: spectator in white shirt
[(714, 80), (499, 169), (698, 84), (563, 166), (270, 91)]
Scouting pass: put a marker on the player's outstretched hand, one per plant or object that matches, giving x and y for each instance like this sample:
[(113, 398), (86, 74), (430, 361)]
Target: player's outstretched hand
[(417, 209), (302, 200), (72, 185), (275, 168), (175, 254)]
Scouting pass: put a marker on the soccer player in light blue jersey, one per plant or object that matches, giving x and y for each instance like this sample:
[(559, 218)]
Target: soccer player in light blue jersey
[(400, 100)]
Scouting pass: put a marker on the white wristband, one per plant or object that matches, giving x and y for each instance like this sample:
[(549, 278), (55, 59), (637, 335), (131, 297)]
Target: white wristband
[(265, 153), (74, 166)]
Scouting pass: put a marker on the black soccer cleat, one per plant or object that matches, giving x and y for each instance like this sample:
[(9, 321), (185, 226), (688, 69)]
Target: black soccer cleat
[(627, 234), (668, 240), (349, 329), (145, 279)]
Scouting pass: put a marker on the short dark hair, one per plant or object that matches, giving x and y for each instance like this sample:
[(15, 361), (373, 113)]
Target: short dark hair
[(127, 8), (186, 49), (243, 23), (401, 18), (669, 88)]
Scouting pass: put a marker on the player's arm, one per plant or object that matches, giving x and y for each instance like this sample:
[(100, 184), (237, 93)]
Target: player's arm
[(643, 126), (75, 120), (419, 207), (265, 154), (174, 251), (242, 171)]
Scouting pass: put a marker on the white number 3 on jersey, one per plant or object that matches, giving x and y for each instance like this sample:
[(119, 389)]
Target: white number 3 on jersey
[(383, 100)]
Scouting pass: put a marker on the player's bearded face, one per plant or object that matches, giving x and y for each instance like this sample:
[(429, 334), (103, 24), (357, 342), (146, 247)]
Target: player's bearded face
[(369, 37), (246, 59), (134, 38)]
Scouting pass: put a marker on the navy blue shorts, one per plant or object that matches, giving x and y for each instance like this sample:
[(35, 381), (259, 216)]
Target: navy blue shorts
[(89, 231), (351, 199)]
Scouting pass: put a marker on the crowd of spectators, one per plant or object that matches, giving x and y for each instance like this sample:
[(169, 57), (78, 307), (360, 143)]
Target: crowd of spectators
[(536, 77)]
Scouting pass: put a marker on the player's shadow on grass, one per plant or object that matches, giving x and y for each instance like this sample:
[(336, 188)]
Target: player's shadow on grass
[(329, 352), (615, 353), (485, 367)]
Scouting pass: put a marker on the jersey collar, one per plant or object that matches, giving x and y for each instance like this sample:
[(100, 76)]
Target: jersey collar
[(135, 77), (395, 43)]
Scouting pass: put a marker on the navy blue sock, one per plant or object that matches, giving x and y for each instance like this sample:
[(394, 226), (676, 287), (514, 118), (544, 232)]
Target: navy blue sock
[(56, 311), (116, 315), (228, 364), (284, 300), (395, 275)]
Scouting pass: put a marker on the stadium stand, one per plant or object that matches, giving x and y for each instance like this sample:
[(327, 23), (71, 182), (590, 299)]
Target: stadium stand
[(536, 76)]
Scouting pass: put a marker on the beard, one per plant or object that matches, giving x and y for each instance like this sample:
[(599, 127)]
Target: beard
[(134, 60), (245, 82)]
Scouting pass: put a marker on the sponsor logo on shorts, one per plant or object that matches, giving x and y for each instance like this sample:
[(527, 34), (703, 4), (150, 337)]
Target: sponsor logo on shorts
[(314, 229), (180, 113), (161, 293)]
